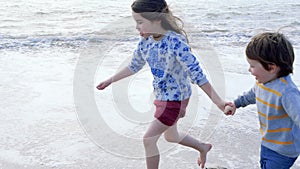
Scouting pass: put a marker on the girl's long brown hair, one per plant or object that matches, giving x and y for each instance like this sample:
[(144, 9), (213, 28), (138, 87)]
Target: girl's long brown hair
[(159, 10)]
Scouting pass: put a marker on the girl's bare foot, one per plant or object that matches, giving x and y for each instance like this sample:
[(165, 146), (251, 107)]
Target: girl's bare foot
[(204, 150)]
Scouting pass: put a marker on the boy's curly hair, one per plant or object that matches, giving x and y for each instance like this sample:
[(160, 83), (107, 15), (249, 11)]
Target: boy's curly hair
[(272, 48)]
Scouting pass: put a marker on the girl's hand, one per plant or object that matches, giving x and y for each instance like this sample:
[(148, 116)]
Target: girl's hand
[(104, 84), (229, 108)]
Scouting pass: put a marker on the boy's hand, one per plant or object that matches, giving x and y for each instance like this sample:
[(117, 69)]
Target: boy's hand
[(229, 108)]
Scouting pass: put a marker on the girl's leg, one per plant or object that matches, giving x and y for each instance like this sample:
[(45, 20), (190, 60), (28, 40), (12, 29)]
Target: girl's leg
[(172, 135), (151, 136)]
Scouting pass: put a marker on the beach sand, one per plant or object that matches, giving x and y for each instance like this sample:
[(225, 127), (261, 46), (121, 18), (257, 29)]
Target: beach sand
[(40, 128)]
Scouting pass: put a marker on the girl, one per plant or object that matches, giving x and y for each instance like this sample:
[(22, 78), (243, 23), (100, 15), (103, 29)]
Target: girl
[(163, 45)]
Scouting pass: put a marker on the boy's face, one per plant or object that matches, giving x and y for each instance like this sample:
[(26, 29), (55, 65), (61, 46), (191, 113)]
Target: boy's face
[(261, 74), (145, 26)]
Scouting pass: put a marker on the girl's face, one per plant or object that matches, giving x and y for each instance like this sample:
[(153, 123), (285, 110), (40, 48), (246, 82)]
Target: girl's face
[(261, 74), (145, 26)]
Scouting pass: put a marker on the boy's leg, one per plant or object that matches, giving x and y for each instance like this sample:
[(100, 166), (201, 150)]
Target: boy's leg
[(151, 136), (270, 159), (172, 135)]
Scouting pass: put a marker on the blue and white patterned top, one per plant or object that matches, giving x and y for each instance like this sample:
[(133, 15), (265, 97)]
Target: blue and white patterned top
[(171, 63)]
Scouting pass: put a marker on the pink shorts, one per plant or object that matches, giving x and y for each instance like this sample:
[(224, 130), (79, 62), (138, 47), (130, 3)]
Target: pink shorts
[(168, 112)]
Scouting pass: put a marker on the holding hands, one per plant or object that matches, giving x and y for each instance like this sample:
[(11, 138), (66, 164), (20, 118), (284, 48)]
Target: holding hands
[(229, 109)]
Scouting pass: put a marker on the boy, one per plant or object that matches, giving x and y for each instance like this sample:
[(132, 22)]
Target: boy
[(271, 57)]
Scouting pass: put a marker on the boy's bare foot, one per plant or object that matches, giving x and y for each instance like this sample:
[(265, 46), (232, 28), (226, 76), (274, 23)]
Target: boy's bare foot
[(204, 150)]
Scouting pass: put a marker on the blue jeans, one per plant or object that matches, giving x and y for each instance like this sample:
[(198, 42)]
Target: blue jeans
[(270, 159)]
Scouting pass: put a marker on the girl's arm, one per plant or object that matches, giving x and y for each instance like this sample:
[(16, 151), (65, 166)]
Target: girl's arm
[(118, 76), (136, 64), (212, 94), (191, 65)]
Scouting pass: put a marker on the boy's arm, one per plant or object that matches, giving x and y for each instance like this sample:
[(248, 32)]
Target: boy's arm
[(242, 101), (246, 99), (291, 104)]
